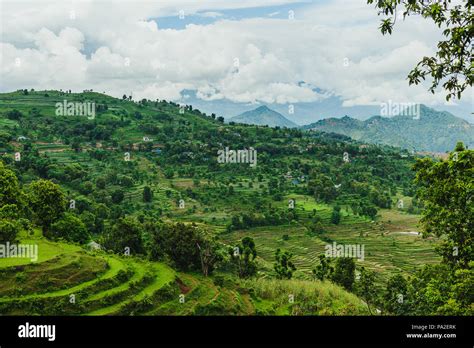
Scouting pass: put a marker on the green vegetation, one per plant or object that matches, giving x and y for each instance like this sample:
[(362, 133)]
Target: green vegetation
[(417, 129), (451, 64), (133, 215)]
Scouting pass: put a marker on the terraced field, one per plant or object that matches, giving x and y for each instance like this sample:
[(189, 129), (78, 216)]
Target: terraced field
[(69, 280), (389, 247), (78, 282)]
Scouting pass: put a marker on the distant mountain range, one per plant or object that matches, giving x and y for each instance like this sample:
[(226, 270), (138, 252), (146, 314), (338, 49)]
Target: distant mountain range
[(263, 116), (308, 112), (431, 130)]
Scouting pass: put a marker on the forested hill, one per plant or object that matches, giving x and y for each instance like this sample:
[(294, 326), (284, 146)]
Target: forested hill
[(164, 139), (436, 131)]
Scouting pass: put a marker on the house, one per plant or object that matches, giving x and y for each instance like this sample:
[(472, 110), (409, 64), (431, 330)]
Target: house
[(94, 246)]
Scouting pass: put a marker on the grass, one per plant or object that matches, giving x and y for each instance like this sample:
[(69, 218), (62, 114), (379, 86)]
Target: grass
[(162, 276), (72, 277), (46, 251), (296, 297)]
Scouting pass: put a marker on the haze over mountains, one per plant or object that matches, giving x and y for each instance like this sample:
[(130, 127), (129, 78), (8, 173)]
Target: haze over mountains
[(436, 131), (263, 116), (309, 112)]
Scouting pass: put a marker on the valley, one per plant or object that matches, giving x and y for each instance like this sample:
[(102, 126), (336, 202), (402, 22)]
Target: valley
[(133, 201)]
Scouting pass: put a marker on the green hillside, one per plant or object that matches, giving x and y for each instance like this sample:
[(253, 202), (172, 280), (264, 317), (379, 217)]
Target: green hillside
[(142, 179), (435, 131)]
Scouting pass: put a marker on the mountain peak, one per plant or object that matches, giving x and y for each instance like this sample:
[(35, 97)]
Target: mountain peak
[(431, 130), (263, 108), (263, 116)]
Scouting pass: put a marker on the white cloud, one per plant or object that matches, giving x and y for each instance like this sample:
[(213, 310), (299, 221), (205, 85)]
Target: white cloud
[(211, 14), (116, 48)]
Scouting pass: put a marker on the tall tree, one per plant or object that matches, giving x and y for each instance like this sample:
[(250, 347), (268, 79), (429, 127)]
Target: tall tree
[(47, 202), (344, 272), (283, 265), (245, 254), (147, 194), (209, 254), (395, 296), (447, 191), (366, 289), (324, 269), (10, 192), (336, 215)]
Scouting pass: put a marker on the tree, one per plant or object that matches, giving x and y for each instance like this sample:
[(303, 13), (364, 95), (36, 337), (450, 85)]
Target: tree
[(10, 192), (447, 191), (283, 265), (70, 228), (100, 183), (344, 272), (8, 230), (86, 188), (14, 114), (244, 255), (336, 215), (147, 194), (12, 203), (125, 235), (395, 296), (47, 202), (180, 244), (235, 223), (365, 287), (452, 62), (90, 221), (324, 269), (209, 253), (117, 196), (169, 173), (440, 290)]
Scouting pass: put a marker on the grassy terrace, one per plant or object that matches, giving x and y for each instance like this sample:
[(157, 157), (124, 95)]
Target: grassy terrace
[(388, 248)]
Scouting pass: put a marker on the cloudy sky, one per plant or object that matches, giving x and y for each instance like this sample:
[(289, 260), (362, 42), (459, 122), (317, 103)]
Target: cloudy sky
[(275, 52)]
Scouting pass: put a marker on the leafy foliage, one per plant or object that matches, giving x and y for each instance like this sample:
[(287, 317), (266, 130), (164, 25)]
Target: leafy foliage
[(451, 65), (47, 202), (447, 190), (283, 266), (344, 272)]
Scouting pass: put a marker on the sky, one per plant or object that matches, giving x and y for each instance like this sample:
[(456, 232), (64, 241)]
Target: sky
[(229, 55)]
